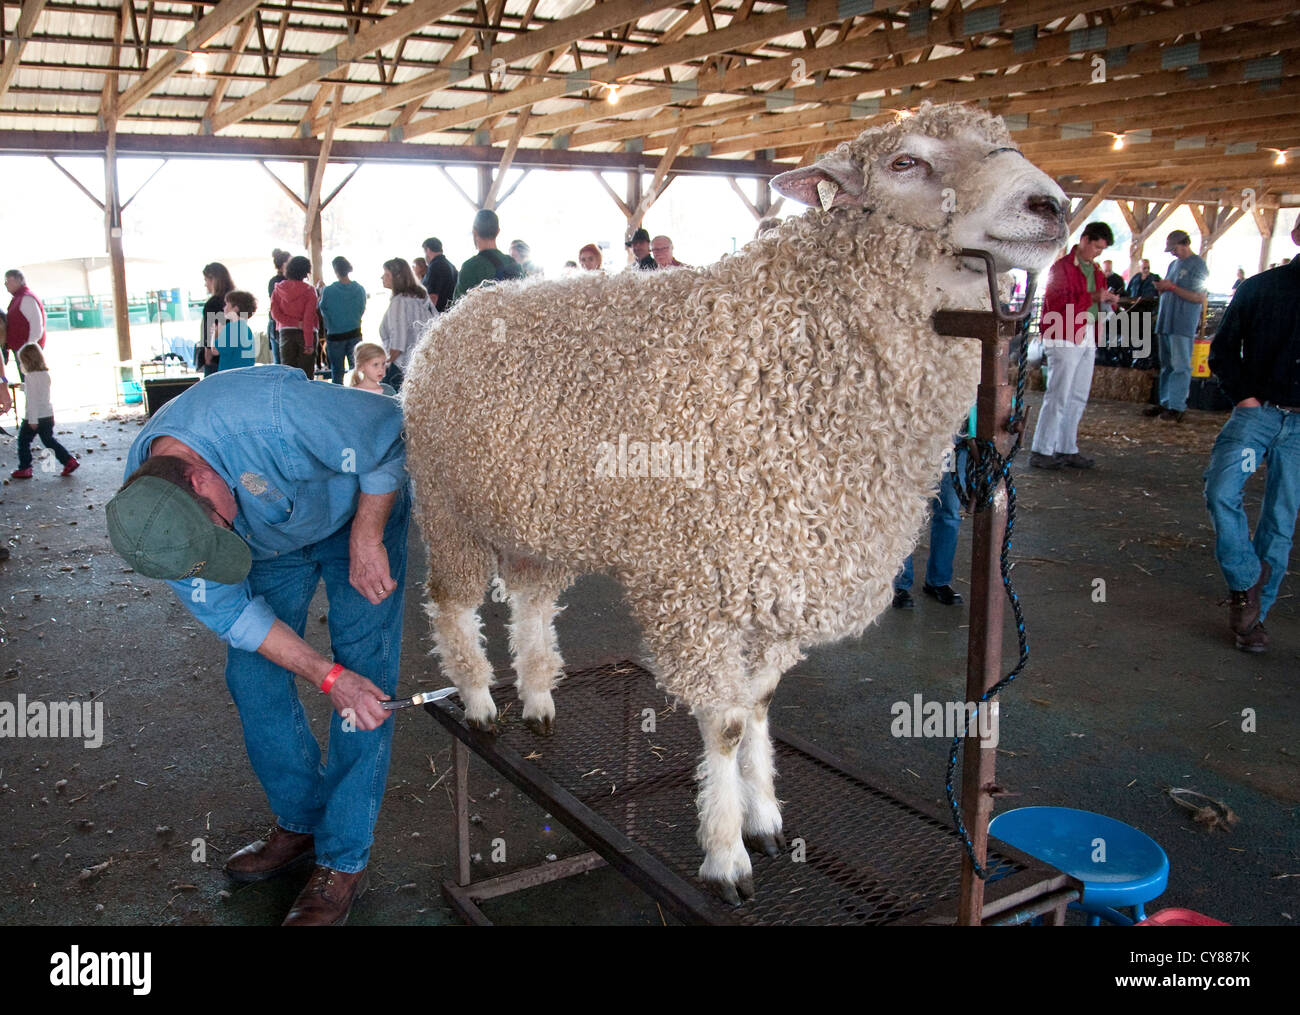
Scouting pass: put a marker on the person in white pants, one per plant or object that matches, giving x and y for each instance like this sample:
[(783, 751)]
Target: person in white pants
[(1076, 293)]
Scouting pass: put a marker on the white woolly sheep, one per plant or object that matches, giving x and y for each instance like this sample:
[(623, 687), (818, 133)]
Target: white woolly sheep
[(796, 395)]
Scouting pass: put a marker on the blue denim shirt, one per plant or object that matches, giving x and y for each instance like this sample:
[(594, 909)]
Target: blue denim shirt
[(295, 454)]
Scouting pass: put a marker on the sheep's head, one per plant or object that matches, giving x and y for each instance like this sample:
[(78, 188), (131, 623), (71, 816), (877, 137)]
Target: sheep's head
[(950, 169)]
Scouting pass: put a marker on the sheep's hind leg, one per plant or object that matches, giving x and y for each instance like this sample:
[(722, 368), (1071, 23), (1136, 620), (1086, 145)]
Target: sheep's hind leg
[(762, 814), (726, 868), (533, 590)]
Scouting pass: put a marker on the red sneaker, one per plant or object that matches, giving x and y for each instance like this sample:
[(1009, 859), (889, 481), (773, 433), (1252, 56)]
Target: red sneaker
[(72, 466), (21, 473)]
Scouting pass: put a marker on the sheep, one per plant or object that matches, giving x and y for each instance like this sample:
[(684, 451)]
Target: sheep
[(815, 398)]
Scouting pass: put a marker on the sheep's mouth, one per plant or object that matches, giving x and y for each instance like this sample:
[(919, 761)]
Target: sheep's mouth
[(1031, 254)]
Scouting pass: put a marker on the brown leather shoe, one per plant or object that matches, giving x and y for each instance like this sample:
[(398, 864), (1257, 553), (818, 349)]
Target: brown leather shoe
[(1254, 640), (281, 851), (1243, 607), (327, 898)]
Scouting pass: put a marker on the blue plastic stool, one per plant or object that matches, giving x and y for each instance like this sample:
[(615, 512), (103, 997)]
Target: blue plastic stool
[(1134, 870)]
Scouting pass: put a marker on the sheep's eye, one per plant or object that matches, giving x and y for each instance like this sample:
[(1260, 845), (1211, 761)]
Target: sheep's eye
[(903, 163)]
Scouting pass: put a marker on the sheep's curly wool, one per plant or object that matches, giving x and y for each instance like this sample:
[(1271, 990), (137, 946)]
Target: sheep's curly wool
[(804, 371)]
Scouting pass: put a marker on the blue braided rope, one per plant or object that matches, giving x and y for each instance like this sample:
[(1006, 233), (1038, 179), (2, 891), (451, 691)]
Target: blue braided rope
[(985, 472)]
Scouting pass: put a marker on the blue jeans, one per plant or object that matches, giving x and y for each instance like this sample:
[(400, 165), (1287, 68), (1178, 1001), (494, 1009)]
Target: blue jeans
[(1265, 435), (338, 801), (339, 351), (1175, 369), (945, 521)]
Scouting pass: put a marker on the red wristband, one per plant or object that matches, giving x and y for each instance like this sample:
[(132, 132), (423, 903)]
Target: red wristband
[(330, 677)]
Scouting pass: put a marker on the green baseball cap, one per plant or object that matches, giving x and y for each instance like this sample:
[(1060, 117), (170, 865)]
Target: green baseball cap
[(162, 532)]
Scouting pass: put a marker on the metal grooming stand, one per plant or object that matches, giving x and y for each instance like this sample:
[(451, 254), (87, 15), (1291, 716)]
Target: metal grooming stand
[(994, 404)]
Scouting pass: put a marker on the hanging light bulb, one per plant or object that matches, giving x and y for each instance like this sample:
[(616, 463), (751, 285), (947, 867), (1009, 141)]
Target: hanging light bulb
[(200, 64), (1118, 144), (1280, 160), (611, 95)]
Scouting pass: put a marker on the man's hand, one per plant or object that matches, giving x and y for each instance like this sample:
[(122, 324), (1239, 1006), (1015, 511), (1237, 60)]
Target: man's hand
[(368, 570), (1110, 297), (356, 698), (6, 402), (1248, 403), (1165, 286)]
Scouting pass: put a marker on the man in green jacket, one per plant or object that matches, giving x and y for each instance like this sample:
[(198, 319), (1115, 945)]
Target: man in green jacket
[(489, 264)]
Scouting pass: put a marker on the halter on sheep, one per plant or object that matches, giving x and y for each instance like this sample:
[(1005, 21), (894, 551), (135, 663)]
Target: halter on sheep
[(814, 394)]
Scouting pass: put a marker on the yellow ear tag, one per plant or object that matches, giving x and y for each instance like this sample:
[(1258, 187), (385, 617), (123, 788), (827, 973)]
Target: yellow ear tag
[(826, 191)]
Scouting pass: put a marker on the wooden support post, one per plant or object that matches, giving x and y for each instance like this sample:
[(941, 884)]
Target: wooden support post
[(484, 185), (1265, 220), (116, 256)]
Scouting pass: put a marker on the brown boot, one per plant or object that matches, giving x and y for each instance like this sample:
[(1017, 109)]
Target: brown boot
[(1254, 640), (327, 898), (281, 851), (1243, 608)]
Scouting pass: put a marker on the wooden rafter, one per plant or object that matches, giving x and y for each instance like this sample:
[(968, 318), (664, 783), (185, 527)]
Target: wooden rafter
[(216, 21), (382, 32), (31, 10)]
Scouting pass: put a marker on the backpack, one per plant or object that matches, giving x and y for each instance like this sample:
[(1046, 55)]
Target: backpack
[(505, 271)]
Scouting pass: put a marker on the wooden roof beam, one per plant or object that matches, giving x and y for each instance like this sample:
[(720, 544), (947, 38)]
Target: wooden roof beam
[(555, 35), (404, 21), (216, 21), (31, 10)]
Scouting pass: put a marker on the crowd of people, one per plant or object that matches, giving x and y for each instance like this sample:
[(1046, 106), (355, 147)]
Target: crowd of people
[(318, 327)]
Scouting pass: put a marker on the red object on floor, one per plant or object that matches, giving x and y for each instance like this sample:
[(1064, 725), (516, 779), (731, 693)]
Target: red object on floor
[(1181, 918), (21, 474), (72, 466)]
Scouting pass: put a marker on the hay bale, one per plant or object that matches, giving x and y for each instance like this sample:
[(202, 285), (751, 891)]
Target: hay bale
[(1122, 384)]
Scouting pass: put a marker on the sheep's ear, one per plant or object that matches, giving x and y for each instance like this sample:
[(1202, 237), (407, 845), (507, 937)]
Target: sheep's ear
[(832, 182)]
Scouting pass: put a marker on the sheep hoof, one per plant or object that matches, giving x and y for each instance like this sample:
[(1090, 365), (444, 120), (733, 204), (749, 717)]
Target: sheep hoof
[(487, 726), (542, 727), (770, 843), (734, 893)]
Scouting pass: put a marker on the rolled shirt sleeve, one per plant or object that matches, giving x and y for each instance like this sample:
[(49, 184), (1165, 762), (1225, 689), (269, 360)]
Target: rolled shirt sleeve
[(231, 612)]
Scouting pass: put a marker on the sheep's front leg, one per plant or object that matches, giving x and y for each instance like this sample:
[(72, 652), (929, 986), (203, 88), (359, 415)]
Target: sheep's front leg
[(458, 643), (537, 659), (726, 868)]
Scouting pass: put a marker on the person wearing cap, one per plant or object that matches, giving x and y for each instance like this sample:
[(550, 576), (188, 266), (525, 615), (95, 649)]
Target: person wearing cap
[(640, 246), (489, 264), (1256, 357), (243, 510), (1178, 319)]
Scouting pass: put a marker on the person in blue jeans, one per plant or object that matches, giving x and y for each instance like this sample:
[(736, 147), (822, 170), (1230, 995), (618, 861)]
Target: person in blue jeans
[(945, 522), (244, 493), (1178, 319), (1256, 356)]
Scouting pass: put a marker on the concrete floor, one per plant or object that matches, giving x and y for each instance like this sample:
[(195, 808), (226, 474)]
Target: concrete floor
[(1121, 700)]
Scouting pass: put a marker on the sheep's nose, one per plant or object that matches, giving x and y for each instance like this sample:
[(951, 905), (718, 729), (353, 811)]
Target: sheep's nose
[(1045, 205)]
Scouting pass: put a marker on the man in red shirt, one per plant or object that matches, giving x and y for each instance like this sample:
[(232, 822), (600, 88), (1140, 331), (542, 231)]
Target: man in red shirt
[(1076, 293)]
